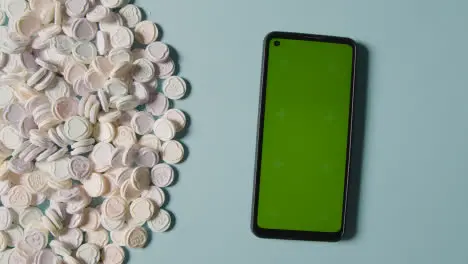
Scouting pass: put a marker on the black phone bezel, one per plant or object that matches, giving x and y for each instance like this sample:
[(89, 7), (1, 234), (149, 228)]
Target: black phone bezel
[(292, 234)]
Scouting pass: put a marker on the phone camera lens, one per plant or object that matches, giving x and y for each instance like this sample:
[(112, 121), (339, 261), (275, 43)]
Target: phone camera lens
[(277, 43)]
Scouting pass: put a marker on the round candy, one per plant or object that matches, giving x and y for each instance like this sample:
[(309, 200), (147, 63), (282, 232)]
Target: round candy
[(157, 52), (113, 254), (146, 32), (125, 137), (177, 118), (36, 181), (121, 37), (45, 256), (65, 107), (111, 22), (6, 218), (150, 141), (131, 15), (174, 87), (156, 194), (15, 235), (83, 29), (35, 239), (164, 129), (172, 152), (143, 70), (84, 52), (112, 3), (140, 178), (160, 223), (165, 69), (162, 175), (141, 92), (112, 225), (77, 128), (60, 248), (88, 253), (158, 104), (104, 132), (80, 168), (76, 8), (142, 123), (142, 209), (136, 237), (121, 55), (10, 137), (101, 156), (74, 71), (19, 197), (73, 237), (99, 237), (92, 221), (98, 13), (116, 87), (114, 208), (30, 216), (95, 185), (147, 157)]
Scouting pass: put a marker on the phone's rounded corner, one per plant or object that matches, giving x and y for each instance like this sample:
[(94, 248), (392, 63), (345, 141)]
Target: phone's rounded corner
[(271, 35), (338, 236), (351, 42), (256, 230)]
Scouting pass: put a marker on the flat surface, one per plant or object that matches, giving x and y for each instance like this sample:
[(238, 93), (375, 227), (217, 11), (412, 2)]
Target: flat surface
[(414, 175), (303, 162)]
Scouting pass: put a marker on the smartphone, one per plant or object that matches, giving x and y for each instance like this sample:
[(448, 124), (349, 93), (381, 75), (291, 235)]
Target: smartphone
[(304, 137)]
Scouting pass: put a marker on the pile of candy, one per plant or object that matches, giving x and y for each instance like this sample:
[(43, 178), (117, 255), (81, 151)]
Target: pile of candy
[(81, 119)]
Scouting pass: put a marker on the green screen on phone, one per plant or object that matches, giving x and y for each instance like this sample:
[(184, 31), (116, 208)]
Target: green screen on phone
[(304, 150)]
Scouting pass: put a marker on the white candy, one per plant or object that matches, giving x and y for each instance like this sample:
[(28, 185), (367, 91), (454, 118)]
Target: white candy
[(160, 223), (112, 3), (6, 218), (83, 29), (98, 13), (122, 37), (151, 141), (143, 70), (95, 185), (164, 129), (103, 42), (113, 254), (172, 152), (3, 17), (60, 248), (131, 15), (99, 237), (15, 234), (3, 241), (162, 175), (55, 146), (157, 52), (146, 32), (76, 8), (88, 254), (111, 22), (30, 216), (73, 238), (174, 87), (84, 52), (142, 209)]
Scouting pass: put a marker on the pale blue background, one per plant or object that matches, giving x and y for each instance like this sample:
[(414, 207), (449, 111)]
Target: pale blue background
[(413, 206)]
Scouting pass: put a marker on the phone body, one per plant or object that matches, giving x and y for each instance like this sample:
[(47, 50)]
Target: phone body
[(304, 137)]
